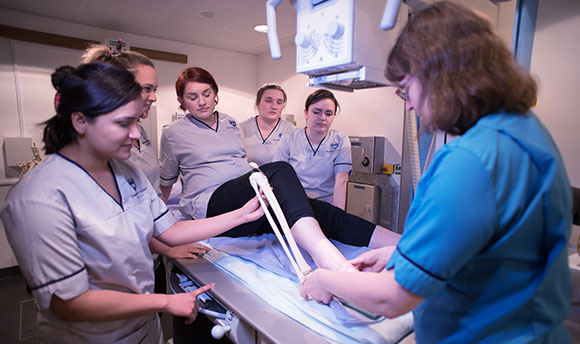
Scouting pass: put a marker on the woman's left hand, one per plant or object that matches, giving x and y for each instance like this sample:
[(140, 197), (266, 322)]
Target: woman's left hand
[(313, 289), (191, 251)]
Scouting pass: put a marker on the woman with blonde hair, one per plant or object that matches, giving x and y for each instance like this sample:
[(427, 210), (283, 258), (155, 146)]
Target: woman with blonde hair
[(143, 155)]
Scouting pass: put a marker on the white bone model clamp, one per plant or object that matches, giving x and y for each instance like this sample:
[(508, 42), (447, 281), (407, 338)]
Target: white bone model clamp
[(259, 181)]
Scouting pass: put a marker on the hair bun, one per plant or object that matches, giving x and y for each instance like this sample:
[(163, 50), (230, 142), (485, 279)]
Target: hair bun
[(59, 76)]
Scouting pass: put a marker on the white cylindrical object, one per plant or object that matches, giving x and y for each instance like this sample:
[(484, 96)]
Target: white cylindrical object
[(273, 41), (390, 14), (218, 331)]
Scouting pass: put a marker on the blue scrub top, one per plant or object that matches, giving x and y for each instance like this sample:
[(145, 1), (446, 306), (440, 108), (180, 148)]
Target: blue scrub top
[(486, 237)]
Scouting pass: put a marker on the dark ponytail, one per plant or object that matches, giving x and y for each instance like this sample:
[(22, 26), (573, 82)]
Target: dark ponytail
[(92, 89)]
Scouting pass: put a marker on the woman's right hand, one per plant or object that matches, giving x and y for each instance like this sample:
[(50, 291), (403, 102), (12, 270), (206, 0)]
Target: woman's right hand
[(375, 260), (185, 304), (251, 211)]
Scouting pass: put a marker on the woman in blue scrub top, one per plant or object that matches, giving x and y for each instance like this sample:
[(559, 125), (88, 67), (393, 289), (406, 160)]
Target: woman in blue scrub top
[(80, 222), (484, 254)]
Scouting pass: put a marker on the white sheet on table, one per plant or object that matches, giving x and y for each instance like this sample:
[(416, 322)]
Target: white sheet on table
[(283, 293)]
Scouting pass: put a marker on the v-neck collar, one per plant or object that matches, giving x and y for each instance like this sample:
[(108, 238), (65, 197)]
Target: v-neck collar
[(138, 146), (120, 203), (314, 151), (217, 120), (270, 134)]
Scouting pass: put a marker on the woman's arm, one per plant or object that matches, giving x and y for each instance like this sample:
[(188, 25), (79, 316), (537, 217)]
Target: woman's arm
[(183, 232), (340, 180), (109, 305), (376, 292), (165, 192), (192, 250)]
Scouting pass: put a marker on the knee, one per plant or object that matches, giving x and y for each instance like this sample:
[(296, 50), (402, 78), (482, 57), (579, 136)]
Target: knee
[(277, 167)]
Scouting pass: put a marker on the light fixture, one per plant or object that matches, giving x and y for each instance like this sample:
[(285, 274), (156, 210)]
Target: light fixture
[(261, 28)]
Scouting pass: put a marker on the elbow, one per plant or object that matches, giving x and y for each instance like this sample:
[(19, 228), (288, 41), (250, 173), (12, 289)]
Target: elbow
[(397, 308), (168, 238), (393, 313), (390, 311), (70, 310), (63, 310), (67, 316)]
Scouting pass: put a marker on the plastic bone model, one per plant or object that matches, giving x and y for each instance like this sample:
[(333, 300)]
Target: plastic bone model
[(259, 182)]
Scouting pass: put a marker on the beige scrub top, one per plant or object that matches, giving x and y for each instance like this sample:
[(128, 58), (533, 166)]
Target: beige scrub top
[(259, 149), (316, 166), (69, 236), (204, 158), (145, 159)]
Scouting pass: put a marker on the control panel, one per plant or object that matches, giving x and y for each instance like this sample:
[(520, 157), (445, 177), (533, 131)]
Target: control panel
[(324, 36), (224, 320)]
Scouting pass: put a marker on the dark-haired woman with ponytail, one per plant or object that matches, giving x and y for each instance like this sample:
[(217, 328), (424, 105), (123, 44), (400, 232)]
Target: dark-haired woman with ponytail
[(80, 222)]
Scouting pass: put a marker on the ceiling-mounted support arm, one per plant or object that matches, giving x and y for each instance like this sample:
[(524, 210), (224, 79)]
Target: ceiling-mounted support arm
[(273, 41), (390, 14)]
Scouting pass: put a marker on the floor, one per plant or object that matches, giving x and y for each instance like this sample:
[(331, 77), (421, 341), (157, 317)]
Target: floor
[(18, 315)]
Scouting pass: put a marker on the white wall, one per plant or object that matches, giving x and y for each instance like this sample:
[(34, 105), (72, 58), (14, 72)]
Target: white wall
[(236, 73), (556, 64), (29, 66)]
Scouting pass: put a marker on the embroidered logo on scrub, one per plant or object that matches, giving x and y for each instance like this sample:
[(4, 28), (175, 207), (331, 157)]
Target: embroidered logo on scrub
[(334, 145), (132, 183), (233, 123)]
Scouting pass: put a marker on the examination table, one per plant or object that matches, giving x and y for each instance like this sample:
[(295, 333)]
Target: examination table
[(251, 304)]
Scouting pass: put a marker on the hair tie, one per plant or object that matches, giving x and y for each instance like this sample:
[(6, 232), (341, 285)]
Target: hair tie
[(56, 100), (115, 50)]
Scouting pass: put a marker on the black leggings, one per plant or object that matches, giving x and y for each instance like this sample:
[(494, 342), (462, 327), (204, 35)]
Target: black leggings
[(335, 223)]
